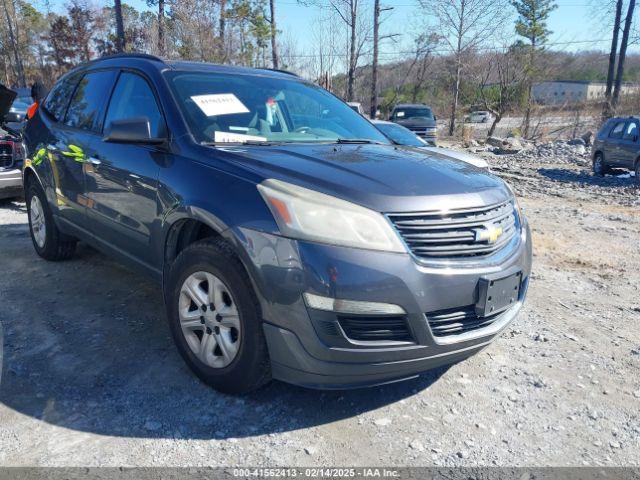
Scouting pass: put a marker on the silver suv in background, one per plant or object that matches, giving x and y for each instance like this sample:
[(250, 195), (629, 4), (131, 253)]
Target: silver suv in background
[(617, 145)]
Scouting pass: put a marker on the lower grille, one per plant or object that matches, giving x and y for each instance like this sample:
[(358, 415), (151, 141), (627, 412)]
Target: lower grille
[(369, 329), (455, 321), (457, 233)]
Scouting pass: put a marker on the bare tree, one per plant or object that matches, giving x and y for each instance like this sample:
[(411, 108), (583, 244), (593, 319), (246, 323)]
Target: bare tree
[(501, 83), (613, 53), (466, 24), (12, 26), (623, 54)]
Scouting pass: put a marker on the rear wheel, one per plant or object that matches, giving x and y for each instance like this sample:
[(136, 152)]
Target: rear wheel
[(48, 241), (214, 317), (599, 165)]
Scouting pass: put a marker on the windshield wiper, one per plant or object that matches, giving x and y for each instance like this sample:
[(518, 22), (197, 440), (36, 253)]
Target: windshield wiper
[(347, 141), (261, 143)]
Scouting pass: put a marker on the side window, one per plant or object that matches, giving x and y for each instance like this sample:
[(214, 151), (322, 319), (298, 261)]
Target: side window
[(132, 98), (87, 105), (631, 132), (58, 98), (617, 130)]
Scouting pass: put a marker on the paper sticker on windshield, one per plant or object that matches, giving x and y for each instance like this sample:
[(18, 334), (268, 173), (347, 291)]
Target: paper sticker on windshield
[(400, 114), (219, 104), (235, 137)]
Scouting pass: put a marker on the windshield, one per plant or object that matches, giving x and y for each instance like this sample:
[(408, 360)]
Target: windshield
[(21, 103), (400, 135), (412, 112), (224, 108)]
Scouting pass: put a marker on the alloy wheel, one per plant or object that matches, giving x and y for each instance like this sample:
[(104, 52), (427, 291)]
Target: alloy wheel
[(209, 319), (38, 224)]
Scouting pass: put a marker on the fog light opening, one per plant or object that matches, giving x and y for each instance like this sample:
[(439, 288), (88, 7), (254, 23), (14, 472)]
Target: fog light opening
[(356, 307)]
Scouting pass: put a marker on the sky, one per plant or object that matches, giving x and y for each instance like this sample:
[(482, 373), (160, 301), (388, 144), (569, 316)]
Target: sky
[(574, 23)]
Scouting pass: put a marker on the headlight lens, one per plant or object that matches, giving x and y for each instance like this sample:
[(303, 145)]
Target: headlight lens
[(309, 215)]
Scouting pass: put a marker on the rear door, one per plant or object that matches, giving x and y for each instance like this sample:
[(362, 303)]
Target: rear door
[(122, 184), (628, 151), (78, 106), (612, 143)]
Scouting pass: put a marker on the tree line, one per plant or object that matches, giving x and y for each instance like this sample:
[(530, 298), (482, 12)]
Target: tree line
[(486, 54)]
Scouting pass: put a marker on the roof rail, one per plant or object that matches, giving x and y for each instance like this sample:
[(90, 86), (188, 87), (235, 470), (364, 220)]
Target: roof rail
[(131, 55), (281, 71)]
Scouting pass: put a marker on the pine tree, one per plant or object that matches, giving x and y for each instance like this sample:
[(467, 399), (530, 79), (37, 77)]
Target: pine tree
[(531, 25)]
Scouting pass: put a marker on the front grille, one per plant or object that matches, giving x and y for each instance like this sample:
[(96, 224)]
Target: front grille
[(391, 328), (424, 131), (455, 321), (6, 155), (456, 234)]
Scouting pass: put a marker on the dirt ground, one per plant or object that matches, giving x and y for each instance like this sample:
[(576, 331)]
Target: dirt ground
[(90, 376)]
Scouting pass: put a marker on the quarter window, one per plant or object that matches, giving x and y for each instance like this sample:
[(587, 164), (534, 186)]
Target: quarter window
[(133, 98), (631, 131), (58, 99), (87, 105)]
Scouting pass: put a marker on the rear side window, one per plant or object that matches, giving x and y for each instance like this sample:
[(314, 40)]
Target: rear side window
[(631, 132), (58, 99), (87, 105), (133, 98), (617, 130)]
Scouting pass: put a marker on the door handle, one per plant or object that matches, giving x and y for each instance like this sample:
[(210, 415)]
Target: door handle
[(94, 161)]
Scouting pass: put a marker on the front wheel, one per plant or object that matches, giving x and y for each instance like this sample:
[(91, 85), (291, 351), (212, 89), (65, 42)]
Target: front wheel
[(214, 317), (48, 241)]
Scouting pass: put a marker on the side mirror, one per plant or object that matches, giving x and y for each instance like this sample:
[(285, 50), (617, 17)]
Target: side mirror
[(131, 130), (435, 119)]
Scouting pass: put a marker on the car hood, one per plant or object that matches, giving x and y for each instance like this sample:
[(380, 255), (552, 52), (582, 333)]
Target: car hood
[(383, 178), (7, 97), (463, 156), (417, 122)]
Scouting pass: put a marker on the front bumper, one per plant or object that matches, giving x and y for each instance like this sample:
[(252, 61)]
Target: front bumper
[(10, 183), (304, 344)]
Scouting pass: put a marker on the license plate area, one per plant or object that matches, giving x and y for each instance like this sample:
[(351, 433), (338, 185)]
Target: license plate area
[(497, 294)]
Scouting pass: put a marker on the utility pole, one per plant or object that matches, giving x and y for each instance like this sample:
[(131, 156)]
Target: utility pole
[(274, 43), (374, 66), (161, 44), (120, 41)]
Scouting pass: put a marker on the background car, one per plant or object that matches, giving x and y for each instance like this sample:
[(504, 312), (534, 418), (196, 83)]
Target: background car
[(479, 116), (18, 110), (418, 118), (11, 152), (356, 106), (403, 136), (617, 146)]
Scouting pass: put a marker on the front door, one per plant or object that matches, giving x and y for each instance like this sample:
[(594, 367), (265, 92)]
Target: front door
[(122, 182)]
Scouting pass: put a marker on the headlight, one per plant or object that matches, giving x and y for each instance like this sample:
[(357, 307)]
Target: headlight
[(309, 215), (516, 204)]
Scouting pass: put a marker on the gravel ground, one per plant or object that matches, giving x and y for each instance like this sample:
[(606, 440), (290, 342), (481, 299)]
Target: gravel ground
[(91, 377)]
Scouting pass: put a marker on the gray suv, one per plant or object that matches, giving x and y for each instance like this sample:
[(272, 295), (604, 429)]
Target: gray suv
[(617, 145), (290, 238), (418, 118)]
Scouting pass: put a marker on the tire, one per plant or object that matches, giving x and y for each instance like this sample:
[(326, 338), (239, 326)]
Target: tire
[(207, 351), (50, 244), (636, 178), (600, 168)]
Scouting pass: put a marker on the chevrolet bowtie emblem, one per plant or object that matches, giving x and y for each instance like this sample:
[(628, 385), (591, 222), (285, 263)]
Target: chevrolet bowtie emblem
[(489, 234)]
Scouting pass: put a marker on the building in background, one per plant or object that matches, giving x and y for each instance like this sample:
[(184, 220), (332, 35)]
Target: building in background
[(561, 92)]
